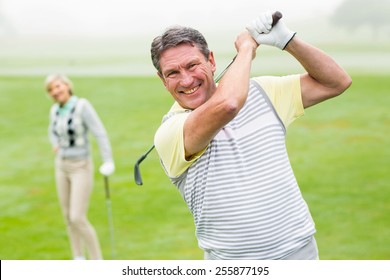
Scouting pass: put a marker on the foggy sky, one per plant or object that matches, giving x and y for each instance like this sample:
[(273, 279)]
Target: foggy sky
[(86, 37), (126, 17)]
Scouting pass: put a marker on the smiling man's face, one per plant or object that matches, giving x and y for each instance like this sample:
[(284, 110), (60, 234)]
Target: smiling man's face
[(188, 75)]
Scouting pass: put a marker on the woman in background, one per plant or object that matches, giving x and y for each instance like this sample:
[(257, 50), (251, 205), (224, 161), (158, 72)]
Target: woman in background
[(71, 118)]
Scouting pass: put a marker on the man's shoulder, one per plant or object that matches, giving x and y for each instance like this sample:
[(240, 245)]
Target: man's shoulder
[(176, 109), (275, 79)]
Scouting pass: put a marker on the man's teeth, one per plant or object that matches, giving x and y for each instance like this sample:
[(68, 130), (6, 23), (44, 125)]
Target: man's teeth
[(191, 90)]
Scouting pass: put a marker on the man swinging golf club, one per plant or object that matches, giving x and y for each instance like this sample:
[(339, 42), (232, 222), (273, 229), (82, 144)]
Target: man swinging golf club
[(223, 145)]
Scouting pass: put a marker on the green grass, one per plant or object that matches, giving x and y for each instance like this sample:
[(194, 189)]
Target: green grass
[(341, 157), (339, 151)]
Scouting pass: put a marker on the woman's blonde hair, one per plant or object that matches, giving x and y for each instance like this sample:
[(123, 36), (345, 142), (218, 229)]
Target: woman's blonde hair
[(58, 77)]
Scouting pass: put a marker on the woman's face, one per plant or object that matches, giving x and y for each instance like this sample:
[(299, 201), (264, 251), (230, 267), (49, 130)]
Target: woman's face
[(59, 91)]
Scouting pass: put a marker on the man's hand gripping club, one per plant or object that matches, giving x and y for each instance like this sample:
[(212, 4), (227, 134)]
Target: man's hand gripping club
[(265, 31)]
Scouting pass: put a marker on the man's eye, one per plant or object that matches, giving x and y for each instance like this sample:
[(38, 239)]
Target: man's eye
[(171, 74)]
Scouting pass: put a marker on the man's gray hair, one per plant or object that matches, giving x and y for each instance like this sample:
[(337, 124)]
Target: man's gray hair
[(174, 36)]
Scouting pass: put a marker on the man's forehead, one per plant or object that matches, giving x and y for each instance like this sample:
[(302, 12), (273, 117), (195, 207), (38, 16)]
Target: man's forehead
[(179, 55)]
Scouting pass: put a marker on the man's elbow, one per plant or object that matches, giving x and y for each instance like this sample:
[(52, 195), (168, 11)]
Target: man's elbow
[(231, 107), (343, 84)]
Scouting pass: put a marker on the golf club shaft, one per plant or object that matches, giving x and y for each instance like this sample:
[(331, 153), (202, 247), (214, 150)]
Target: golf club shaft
[(109, 214), (137, 173)]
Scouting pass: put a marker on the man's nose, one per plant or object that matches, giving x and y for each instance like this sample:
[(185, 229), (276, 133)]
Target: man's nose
[(186, 78)]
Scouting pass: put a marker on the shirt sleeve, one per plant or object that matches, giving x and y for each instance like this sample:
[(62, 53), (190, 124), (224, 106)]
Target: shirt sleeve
[(169, 142), (52, 137), (95, 125), (285, 95)]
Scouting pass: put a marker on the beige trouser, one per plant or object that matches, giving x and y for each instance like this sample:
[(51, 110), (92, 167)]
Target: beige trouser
[(74, 178)]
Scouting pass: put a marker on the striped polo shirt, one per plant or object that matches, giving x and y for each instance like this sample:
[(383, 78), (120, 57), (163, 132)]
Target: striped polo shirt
[(241, 190)]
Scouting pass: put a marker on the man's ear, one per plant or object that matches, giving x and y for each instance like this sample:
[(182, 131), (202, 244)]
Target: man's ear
[(212, 62)]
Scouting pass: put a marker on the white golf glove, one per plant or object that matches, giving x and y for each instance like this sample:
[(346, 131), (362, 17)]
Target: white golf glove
[(262, 31), (107, 168)]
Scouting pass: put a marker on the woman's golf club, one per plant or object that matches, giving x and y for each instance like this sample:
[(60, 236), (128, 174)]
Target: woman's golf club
[(109, 214)]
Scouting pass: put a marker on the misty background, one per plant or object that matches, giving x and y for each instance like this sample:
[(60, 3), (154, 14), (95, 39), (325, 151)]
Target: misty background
[(101, 37)]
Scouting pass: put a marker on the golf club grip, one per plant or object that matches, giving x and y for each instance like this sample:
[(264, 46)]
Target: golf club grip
[(275, 17)]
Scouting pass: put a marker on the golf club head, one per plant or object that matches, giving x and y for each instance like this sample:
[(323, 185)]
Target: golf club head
[(137, 171), (137, 174)]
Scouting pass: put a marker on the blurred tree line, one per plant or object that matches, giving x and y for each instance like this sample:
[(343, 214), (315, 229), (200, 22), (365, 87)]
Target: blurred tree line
[(352, 14)]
